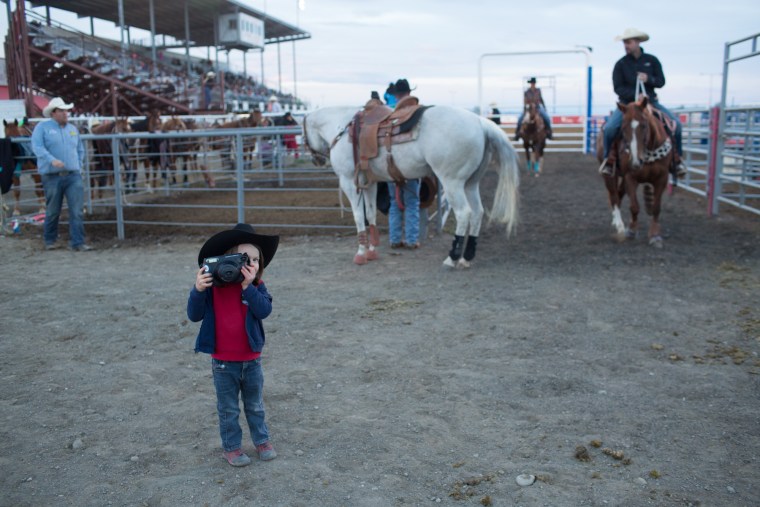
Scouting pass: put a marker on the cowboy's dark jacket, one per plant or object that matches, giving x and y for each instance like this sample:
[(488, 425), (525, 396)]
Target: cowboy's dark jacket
[(624, 76), (200, 306)]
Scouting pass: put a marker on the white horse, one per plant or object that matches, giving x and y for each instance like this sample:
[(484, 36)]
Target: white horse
[(454, 144)]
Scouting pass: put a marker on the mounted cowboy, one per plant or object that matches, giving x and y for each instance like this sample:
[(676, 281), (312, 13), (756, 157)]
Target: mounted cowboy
[(635, 66), (533, 96)]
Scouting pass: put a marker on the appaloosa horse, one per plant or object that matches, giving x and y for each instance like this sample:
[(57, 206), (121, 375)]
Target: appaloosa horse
[(533, 133), (644, 156), (455, 145), (28, 162)]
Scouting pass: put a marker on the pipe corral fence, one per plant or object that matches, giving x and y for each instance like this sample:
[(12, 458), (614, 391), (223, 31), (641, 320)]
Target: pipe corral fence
[(234, 168)]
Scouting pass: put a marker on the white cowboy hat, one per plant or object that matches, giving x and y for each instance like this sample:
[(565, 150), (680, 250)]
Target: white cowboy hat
[(273, 98), (633, 33), (56, 103), (210, 74)]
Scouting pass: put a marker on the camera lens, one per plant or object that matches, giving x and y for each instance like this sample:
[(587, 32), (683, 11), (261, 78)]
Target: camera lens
[(228, 272)]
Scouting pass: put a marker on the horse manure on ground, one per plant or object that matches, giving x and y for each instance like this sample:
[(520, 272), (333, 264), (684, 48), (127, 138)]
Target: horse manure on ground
[(595, 443), (466, 488), (618, 455), (581, 454)]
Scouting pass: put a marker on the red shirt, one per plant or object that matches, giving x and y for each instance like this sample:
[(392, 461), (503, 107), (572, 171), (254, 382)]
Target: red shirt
[(231, 343)]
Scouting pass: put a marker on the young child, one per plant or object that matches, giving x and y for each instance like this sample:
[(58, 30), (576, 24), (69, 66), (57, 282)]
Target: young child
[(233, 333)]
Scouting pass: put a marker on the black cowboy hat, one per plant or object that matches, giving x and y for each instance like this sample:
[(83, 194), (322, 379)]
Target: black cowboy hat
[(374, 95), (402, 86), (532, 80), (391, 88), (221, 242)]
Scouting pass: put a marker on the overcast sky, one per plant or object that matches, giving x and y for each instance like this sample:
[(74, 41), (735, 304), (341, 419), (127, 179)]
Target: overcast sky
[(359, 46)]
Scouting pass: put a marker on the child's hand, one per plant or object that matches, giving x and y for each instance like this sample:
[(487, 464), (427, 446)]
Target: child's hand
[(249, 273), (202, 280)]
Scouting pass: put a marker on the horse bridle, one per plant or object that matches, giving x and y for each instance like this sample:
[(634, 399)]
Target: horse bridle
[(312, 151)]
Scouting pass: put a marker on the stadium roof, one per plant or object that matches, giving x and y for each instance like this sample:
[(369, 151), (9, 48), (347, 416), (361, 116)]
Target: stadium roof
[(170, 17)]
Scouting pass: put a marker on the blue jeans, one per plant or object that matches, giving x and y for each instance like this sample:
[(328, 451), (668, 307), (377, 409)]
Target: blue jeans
[(614, 122), (410, 195), (544, 115), (56, 188), (234, 380)]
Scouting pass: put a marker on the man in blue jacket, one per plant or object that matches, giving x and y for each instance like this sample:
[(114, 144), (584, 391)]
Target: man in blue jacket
[(637, 65), (60, 155)]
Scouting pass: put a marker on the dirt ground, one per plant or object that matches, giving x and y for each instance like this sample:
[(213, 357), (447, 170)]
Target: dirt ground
[(399, 382)]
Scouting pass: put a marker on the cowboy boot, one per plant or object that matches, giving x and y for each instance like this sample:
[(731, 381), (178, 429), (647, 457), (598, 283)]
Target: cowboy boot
[(680, 167), (608, 165)]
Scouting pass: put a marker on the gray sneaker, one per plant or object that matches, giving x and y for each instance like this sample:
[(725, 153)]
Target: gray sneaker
[(237, 458), (52, 246), (82, 248), (266, 452)]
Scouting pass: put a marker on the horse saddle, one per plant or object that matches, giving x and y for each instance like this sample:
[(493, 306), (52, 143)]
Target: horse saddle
[(670, 125), (377, 123)]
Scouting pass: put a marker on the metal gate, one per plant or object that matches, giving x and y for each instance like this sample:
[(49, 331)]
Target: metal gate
[(735, 160)]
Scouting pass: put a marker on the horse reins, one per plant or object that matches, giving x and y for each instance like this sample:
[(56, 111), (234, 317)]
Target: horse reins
[(332, 144)]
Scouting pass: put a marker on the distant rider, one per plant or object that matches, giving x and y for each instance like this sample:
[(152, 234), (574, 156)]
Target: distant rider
[(646, 67), (533, 96)]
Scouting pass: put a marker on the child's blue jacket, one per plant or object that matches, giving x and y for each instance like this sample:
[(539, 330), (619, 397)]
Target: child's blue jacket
[(200, 306)]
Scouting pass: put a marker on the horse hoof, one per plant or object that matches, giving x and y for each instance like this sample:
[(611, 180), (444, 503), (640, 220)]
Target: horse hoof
[(372, 255), (450, 263), (374, 236), (360, 260), (656, 241), (463, 264)]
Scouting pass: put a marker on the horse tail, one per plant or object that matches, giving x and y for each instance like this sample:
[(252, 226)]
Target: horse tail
[(505, 203), (649, 199)]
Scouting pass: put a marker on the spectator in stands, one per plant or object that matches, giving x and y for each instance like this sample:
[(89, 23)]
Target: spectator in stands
[(208, 85), (274, 105), (533, 95), (405, 199), (60, 155)]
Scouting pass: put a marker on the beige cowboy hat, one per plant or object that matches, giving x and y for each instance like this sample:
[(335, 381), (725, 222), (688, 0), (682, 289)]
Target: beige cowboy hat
[(211, 74), (56, 103), (633, 33), (273, 98)]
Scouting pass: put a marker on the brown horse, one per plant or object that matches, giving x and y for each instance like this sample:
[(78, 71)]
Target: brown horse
[(102, 175), (28, 165), (148, 150), (644, 156), (194, 146), (533, 133), (173, 148), (225, 145)]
